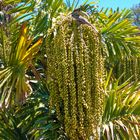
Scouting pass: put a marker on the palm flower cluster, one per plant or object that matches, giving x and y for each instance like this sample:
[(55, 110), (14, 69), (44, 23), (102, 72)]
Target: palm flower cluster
[(75, 77), (129, 67)]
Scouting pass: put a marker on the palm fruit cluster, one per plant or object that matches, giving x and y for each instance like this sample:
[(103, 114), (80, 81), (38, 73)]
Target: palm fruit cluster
[(75, 78)]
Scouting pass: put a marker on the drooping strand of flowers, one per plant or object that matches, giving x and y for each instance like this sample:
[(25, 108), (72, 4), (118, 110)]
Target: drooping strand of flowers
[(129, 68), (75, 78)]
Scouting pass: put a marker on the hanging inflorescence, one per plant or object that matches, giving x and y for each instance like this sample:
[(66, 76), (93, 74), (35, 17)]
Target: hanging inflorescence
[(128, 68), (75, 76)]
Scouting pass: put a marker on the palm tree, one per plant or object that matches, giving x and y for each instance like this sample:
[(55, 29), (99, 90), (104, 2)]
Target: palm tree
[(24, 62)]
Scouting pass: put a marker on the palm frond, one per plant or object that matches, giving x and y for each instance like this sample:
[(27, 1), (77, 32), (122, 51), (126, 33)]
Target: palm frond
[(13, 75), (121, 114), (119, 35)]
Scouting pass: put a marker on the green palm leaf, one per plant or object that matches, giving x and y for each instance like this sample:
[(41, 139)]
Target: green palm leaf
[(13, 76), (118, 33), (121, 115)]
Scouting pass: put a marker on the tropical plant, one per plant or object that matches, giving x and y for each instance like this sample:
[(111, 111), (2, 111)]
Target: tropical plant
[(47, 42), (13, 74), (120, 42), (118, 31), (20, 46), (118, 34), (32, 120), (121, 114)]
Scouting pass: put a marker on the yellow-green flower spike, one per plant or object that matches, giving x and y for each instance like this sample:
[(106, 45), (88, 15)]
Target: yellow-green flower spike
[(76, 77)]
